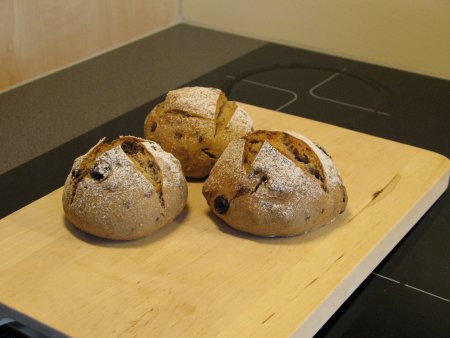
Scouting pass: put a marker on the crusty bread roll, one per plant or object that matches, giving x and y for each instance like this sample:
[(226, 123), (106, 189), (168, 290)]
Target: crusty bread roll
[(271, 183), (196, 124), (125, 189)]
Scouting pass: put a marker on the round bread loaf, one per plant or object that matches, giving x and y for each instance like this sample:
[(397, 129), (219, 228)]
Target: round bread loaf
[(271, 183), (196, 124), (125, 189)]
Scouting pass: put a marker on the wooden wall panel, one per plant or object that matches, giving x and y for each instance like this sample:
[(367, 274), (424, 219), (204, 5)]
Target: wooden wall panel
[(40, 36), (413, 35)]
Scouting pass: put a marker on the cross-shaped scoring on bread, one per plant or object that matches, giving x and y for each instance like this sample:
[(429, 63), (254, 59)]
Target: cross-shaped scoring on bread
[(224, 112), (124, 189), (293, 148), (196, 124), (275, 183), (136, 152)]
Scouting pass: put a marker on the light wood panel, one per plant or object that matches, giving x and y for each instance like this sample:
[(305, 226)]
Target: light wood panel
[(196, 277), (411, 35), (37, 37)]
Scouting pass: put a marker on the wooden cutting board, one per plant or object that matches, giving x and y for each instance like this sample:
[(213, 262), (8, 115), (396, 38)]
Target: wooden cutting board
[(196, 277)]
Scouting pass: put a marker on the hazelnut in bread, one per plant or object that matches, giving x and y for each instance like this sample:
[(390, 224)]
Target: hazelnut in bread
[(272, 183), (196, 124), (125, 189)]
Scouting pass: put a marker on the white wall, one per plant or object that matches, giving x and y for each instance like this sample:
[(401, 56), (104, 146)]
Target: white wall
[(412, 35)]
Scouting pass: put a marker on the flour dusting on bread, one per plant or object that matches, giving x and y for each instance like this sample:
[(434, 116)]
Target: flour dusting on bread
[(196, 124), (125, 189), (275, 184), (200, 101)]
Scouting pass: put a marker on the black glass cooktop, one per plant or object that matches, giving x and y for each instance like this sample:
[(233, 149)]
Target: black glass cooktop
[(408, 294)]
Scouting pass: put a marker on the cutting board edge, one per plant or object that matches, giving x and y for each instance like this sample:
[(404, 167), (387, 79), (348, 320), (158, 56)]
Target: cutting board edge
[(429, 197), (312, 324), (251, 106)]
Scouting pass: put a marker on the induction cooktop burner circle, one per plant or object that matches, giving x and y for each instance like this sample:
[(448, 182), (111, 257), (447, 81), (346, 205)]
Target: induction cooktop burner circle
[(300, 83)]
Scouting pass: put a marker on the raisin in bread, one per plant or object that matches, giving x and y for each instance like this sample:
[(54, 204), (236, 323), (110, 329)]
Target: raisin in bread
[(125, 189), (271, 183), (196, 124)]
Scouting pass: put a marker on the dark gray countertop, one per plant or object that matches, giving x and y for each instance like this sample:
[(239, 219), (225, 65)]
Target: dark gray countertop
[(49, 117), (43, 114)]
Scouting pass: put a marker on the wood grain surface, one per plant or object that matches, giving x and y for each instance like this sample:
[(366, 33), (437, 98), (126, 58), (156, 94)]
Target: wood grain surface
[(37, 37), (197, 277)]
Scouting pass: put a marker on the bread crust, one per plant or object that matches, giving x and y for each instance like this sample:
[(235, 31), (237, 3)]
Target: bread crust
[(125, 189), (196, 124), (275, 184)]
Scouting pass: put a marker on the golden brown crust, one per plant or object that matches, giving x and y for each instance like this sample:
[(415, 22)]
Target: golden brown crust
[(196, 124), (275, 184), (125, 189)]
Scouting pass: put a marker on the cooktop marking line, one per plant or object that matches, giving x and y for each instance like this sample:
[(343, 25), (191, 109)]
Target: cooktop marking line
[(328, 79), (390, 279), (271, 87), (427, 293), (411, 287)]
